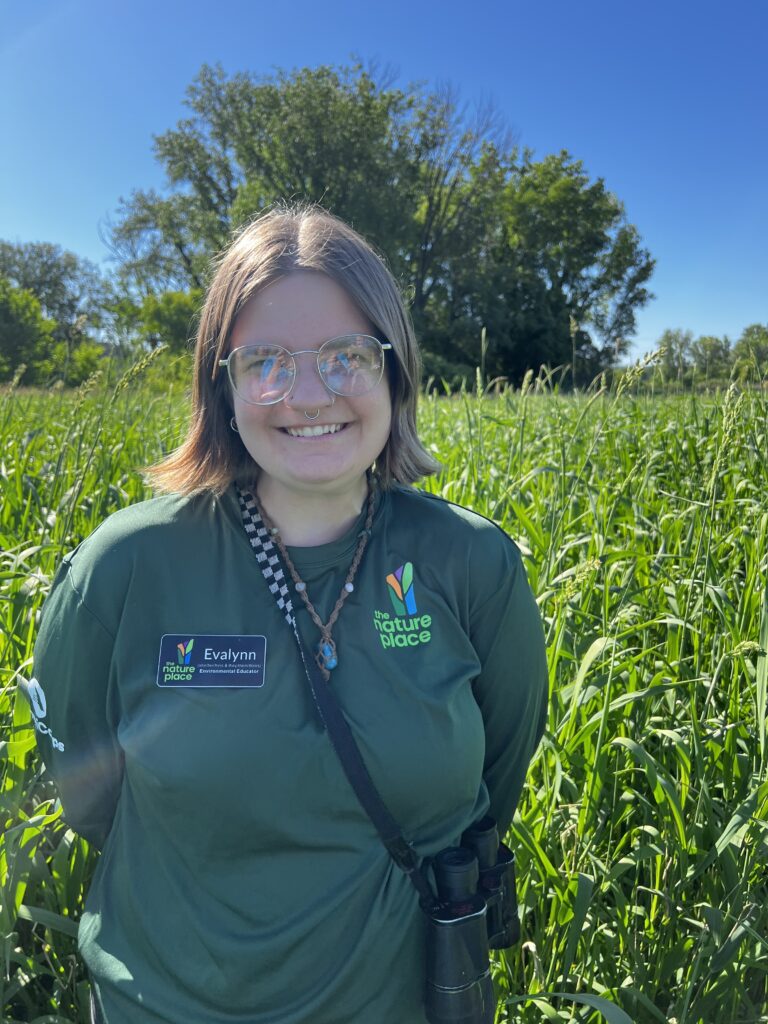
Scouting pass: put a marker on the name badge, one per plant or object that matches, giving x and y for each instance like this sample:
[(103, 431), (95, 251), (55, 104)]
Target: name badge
[(216, 659)]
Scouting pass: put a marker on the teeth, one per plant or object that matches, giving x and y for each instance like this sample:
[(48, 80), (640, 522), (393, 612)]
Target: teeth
[(329, 428)]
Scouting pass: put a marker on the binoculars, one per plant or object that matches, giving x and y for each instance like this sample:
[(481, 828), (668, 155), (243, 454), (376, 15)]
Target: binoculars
[(475, 910)]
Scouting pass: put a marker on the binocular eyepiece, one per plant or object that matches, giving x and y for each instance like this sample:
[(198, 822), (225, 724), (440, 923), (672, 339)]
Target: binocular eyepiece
[(476, 910)]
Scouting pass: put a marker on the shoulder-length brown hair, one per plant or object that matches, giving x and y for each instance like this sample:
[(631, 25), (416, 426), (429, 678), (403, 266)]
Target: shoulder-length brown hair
[(284, 240)]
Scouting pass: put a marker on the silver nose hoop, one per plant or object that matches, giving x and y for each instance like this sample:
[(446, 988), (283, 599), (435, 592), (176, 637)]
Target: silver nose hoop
[(307, 416)]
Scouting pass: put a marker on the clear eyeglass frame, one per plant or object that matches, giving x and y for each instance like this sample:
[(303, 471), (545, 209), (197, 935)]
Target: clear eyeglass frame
[(378, 347)]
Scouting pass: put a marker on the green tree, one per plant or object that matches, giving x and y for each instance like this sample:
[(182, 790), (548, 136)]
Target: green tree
[(162, 243), (169, 319), (26, 336), (477, 235), (321, 135), (676, 362), (83, 361), (122, 328), (70, 289), (546, 262), (71, 292), (750, 353), (712, 358)]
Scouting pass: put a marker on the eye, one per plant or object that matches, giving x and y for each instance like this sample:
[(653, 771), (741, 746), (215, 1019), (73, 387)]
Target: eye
[(254, 363), (336, 362), (265, 365)]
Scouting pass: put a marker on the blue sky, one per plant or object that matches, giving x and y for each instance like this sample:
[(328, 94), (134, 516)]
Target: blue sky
[(666, 101)]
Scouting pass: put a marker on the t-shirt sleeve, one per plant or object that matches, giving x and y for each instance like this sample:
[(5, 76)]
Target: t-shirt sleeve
[(512, 687), (70, 700)]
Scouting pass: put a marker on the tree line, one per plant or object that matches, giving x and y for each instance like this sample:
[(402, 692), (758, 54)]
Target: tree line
[(60, 316), (530, 255), (710, 360)]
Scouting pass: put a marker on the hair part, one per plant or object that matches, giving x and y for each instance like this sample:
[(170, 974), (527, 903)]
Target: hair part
[(278, 243)]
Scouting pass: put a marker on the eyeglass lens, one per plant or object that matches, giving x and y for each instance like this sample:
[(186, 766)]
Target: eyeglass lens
[(264, 374)]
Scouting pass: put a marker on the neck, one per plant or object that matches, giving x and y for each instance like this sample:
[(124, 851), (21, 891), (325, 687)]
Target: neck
[(311, 518)]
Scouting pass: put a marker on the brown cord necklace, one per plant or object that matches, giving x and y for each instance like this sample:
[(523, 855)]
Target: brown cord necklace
[(326, 656)]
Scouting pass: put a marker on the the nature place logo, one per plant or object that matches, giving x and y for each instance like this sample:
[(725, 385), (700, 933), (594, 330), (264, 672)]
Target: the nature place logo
[(406, 628), (400, 583), (40, 710), (184, 652), (182, 671), (37, 699)]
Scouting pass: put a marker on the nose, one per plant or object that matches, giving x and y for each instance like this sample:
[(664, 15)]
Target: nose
[(308, 390)]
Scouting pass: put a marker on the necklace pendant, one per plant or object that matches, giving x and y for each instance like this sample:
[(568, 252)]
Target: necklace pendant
[(326, 655)]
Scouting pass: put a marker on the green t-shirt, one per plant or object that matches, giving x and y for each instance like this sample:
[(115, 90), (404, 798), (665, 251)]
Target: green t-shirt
[(240, 882)]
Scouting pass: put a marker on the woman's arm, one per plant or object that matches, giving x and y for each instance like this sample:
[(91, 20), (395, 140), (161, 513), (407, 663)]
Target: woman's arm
[(73, 719), (512, 688)]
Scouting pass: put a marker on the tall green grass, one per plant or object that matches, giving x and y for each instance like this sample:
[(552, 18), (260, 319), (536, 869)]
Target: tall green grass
[(642, 839)]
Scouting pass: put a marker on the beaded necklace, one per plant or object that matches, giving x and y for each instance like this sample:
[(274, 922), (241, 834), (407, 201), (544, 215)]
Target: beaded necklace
[(326, 655)]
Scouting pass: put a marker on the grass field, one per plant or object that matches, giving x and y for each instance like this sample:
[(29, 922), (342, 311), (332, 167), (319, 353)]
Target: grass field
[(642, 838)]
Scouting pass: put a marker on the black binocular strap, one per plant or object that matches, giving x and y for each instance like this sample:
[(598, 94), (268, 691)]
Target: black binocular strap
[(348, 752), (331, 715)]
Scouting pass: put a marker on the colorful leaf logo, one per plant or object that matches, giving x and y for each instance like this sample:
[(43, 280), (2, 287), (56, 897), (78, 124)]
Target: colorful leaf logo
[(401, 593), (184, 652)]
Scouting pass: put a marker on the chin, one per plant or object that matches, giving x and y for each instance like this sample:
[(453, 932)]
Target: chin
[(323, 478), (331, 481)]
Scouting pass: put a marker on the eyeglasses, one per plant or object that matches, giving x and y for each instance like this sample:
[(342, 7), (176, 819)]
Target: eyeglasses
[(348, 366)]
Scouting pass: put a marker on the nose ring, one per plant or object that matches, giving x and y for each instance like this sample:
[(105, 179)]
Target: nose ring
[(307, 416)]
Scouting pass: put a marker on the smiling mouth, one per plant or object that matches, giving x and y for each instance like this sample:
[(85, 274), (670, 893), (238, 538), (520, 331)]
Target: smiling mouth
[(315, 431)]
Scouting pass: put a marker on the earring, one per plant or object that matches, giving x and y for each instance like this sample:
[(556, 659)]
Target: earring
[(233, 425)]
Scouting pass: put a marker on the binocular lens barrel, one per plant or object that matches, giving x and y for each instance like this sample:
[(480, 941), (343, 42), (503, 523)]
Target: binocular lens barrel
[(457, 874), (476, 910), (459, 986), (483, 839), (497, 882)]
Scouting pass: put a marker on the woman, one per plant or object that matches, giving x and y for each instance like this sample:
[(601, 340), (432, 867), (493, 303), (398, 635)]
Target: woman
[(240, 879)]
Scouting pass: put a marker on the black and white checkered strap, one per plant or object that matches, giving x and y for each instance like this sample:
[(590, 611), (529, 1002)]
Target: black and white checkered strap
[(266, 555)]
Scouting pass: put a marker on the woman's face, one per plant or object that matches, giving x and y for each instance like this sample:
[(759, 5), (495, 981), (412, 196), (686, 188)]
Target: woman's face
[(298, 312)]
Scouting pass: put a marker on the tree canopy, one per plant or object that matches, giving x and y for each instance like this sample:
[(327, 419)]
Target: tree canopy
[(478, 233), (25, 334), (71, 290), (710, 360), (505, 259), (751, 350), (71, 299)]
